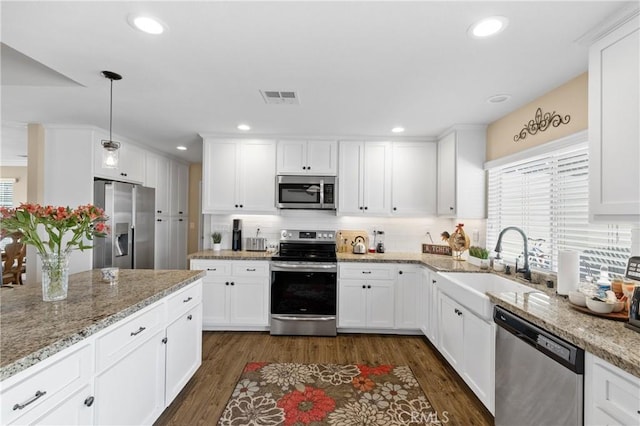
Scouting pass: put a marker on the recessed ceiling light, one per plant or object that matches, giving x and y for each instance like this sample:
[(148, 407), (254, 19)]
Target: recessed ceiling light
[(397, 129), (244, 127), (488, 26), (146, 24), (181, 148), (496, 99)]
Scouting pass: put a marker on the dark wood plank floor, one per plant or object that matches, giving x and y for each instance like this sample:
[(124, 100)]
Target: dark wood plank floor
[(225, 353)]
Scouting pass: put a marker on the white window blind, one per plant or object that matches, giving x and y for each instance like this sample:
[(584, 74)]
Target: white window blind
[(6, 192), (547, 197)]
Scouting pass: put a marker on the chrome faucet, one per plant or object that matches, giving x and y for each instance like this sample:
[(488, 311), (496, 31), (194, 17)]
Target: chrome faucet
[(525, 270)]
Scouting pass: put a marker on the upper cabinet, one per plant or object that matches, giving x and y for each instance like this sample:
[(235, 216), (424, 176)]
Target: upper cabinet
[(461, 177), (238, 176), (414, 166), (131, 160), (179, 186), (157, 176), (614, 134), (313, 157), (364, 185)]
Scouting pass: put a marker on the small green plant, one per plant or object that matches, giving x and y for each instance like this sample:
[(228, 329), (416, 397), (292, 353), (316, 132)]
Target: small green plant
[(479, 252), (216, 237)]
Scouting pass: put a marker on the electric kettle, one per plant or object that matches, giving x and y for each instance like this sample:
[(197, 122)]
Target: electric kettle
[(358, 245)]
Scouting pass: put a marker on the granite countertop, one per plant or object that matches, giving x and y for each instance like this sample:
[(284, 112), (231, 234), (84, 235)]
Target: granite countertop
[(231, 255), (605, 338), (32, 330)]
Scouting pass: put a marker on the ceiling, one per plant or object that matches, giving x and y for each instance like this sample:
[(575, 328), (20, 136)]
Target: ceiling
[(359, 68)]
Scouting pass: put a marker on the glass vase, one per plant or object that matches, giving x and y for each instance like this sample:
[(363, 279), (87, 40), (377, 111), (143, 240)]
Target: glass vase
[(55, 276)]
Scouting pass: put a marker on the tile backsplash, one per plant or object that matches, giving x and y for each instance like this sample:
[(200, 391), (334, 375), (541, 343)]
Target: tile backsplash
[(400, 234)]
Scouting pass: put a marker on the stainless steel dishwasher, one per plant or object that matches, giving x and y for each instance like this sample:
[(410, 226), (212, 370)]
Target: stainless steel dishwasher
[(539, 376)]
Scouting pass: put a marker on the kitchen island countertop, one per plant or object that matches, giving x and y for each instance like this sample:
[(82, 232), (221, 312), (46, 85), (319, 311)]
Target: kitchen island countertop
[(33, 330)]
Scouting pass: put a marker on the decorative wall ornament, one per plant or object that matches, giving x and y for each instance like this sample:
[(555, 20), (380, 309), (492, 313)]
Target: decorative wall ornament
[(541, 123)]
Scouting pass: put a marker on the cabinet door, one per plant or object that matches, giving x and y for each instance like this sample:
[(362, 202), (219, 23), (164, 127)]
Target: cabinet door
[(131, 164), (219, 171), (292, 157), (447, 175), (450, 331), (352, 304), (249, 301), (157, 176), (407, 294), (614, 107), (432, 288), (322, 158), (479, 338), (162, 245), (179, 188), (257, 191), (350, 181), (377, 178), (178, 243), (414, 166), (215, 306), (184, 351), (380, 304), (141, 400)]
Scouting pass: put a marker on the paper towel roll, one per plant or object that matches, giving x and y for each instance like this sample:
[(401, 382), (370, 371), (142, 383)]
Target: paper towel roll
[(568, 271)]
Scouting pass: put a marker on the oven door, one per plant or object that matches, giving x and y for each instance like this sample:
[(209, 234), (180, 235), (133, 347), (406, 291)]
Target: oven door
[(303, 298)]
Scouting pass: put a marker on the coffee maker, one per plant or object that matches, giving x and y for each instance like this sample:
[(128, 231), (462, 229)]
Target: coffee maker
[(236, 236)]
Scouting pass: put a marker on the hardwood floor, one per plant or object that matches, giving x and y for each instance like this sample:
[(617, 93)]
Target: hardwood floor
[(225, 354)]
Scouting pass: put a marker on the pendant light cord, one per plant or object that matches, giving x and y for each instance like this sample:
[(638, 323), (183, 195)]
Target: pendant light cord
[(110, 110)]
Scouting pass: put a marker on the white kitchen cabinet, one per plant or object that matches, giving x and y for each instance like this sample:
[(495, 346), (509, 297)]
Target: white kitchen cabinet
[(184, 340), (131, 161), (312, 157), (461, 187), (366, 294), (611, 395), (407, 297), (158, 170), (364, 185), (468, 343), (179, 189), (238, 176), (614, 108), (53, 390), (235, 294), (429, 306), (162, 248), (414, 166), (177, 242)]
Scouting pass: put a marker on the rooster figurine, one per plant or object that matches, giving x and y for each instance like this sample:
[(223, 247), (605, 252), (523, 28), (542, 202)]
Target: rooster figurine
[(458, 241)]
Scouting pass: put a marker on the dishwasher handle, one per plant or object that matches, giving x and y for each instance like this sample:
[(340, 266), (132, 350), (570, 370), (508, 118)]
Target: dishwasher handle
[(563, 352)]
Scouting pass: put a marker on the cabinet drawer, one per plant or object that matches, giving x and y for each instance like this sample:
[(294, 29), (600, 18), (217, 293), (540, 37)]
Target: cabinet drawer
[(47, 384), (251, 269), (184, 300), (368, 271), (615, 392), (117, 342), (213, 267)]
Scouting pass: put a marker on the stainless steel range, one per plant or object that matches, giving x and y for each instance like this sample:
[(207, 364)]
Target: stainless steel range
[(304, 284)]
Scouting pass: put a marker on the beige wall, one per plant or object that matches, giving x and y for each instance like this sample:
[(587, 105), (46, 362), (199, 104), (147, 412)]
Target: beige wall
[(193, 235), (20, 187), (568, 99)]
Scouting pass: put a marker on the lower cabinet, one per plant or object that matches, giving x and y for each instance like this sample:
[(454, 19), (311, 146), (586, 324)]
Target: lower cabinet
[(235, 294), (468, 344), (127, 373), (407, 297), (611, 395)]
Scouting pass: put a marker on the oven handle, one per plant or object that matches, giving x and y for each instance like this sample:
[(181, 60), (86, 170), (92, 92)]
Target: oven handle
[(304, 268), (290, 318)]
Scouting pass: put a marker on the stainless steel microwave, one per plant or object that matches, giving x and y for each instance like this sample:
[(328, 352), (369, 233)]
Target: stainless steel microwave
[(306, 192)]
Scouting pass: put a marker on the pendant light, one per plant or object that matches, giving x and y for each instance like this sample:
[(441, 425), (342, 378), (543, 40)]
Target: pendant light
[(110, 153)]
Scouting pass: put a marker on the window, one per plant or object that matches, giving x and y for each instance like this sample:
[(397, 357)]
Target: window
[(6, 192), (547, 196)]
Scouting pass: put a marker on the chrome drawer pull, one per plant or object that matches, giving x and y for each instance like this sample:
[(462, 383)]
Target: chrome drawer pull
[(29, 401), (187, 299), (140, 330), (251, 269)]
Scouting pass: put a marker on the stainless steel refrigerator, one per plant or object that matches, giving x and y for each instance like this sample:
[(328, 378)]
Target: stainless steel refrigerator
[(131, 212)]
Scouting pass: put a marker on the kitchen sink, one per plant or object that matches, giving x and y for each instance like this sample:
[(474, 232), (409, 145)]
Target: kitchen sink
[(469, 289)]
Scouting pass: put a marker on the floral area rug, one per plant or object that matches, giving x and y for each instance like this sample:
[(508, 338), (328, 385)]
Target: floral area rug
[(327, 394)]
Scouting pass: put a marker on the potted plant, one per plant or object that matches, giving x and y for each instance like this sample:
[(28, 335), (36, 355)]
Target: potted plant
[(216, 237), (479, 256)]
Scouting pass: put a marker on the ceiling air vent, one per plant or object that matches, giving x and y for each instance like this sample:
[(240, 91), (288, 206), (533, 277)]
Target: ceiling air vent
[(280, 97)]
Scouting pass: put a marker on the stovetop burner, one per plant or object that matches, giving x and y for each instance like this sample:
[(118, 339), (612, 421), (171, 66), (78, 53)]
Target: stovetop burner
[(307, 246)]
